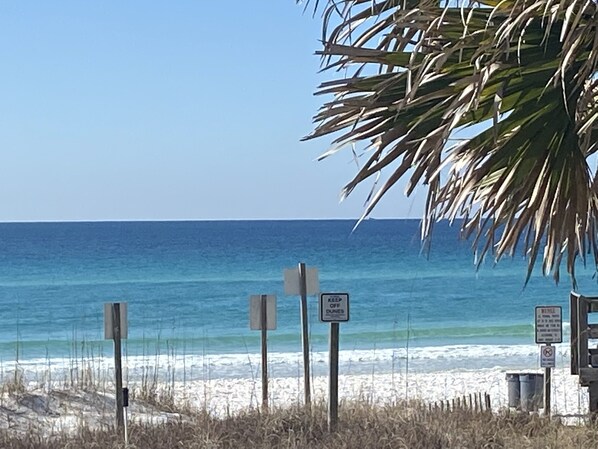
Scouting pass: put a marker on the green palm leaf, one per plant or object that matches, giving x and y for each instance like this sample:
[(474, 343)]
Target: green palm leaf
[(524, 69)]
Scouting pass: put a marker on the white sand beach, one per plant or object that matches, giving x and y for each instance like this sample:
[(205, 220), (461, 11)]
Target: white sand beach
[(54, 407), (221, 396)]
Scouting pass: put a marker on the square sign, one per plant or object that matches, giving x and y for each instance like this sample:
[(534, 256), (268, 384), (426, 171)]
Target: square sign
[(292, 286), (547, 356), (334, 307), (255, 312), (549, 324), (109, 322)]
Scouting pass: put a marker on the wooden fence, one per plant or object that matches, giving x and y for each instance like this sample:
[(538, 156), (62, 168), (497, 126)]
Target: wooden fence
[(474, 403)]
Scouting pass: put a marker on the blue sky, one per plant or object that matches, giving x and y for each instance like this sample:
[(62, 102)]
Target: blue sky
[(167, 110)]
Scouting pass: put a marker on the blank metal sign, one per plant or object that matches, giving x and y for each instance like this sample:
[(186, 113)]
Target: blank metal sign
[(109, 325), (255, 312)]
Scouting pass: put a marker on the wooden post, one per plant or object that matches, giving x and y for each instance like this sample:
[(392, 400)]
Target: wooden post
[(593, 390), (574, 336), (583, 352), (126, 416), (264, 329), (304, 333), (120, 420), (333, 378)]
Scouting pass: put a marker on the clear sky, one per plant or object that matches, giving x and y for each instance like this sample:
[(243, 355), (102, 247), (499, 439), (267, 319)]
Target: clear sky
[(167, 110)]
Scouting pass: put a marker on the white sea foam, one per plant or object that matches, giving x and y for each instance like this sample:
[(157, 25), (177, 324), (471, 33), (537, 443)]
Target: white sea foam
[(427, 359)]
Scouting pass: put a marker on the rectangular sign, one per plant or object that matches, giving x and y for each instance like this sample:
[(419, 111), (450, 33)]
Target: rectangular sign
[(334, 307), (109, 325), (291, 281), (255, 312), (549, 324), (547, 356)]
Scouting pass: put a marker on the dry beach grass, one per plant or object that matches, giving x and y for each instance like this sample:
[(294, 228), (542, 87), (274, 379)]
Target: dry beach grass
[(377, 411), (80, 415), (362, 425)]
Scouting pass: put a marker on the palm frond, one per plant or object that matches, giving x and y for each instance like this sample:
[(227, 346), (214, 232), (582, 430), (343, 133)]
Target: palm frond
[(420, 71)]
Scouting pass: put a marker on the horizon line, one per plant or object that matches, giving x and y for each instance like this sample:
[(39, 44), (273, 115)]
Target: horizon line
[(175, 220)]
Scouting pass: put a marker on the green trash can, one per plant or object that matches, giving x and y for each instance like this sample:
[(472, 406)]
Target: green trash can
[(531, 391), (513, 390)]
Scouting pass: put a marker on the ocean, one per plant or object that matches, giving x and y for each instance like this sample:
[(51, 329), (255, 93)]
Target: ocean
[(187, 285)]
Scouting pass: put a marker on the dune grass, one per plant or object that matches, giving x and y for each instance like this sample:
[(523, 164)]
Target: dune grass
[(361, 426), (168, 422)]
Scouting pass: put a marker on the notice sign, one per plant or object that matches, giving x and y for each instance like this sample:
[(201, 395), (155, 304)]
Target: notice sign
[(549, 324), (547, 356), (334, 307)]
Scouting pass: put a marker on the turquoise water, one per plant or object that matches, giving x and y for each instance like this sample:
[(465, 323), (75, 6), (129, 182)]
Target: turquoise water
[(187, 285)]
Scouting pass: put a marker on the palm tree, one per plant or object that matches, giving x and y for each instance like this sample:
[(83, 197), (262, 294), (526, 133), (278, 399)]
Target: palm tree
[(417, 74)]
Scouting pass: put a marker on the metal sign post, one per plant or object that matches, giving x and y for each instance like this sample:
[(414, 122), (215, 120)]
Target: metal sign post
[(262, 316), (304, 332), (303, 281), (334, 308), (126, 405), (549, 330), (115, 328), (547, 361), (333, 377)]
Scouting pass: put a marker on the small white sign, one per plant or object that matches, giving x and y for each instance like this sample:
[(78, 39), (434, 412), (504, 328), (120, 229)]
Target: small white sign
[(108, 322), (334, 307), (547, 356), (255, 312), (549, 324), (292, 285)]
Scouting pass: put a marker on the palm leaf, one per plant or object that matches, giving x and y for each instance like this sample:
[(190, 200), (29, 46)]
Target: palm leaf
[(525, 70)]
